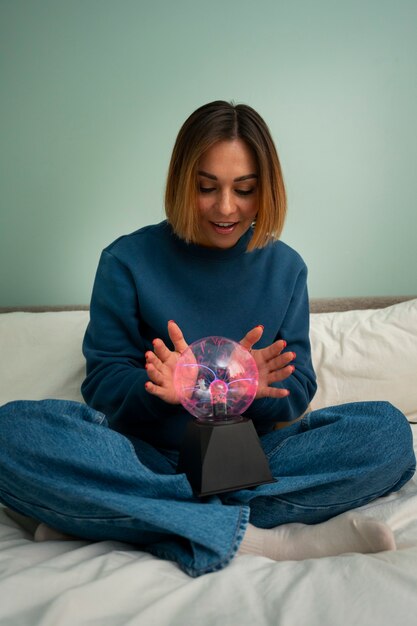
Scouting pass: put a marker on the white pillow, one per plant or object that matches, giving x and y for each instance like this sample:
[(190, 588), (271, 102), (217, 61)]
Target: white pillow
[(367, 355), (40, 355), (358, 355)]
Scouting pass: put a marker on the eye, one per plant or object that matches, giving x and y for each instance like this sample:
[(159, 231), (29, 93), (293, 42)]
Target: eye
[(245, 192), (206, 189)]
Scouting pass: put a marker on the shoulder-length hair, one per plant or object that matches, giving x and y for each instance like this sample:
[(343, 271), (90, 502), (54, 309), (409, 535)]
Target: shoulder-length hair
[(220, 121)]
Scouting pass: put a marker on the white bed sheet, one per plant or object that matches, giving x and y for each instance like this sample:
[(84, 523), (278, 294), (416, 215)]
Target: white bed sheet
[(110, 584)]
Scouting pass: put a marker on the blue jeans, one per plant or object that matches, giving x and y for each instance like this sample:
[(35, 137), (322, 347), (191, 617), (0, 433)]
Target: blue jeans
[(61, 464)]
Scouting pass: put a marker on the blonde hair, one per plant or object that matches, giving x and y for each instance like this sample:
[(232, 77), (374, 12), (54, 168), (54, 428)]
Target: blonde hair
[(220, 121)]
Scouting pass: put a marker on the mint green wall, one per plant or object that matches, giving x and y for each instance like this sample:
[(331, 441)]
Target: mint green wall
[(93, 93)]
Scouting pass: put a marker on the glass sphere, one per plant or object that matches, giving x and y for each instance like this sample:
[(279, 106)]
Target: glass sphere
[(216, 379)]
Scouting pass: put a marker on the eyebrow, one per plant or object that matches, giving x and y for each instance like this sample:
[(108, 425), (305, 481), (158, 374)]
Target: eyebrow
[(235, 180)]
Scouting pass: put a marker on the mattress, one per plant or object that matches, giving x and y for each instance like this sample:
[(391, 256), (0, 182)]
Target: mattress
[(77, 583)]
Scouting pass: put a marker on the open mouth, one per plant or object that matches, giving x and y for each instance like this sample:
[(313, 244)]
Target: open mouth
[(225, 227)]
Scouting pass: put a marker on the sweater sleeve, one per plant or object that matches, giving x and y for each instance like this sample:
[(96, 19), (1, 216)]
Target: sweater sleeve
[(302, 383), (114, 349)]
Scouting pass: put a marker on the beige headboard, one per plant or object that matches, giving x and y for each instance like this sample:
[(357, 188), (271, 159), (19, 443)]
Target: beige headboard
[(317, 305), (326, 305)]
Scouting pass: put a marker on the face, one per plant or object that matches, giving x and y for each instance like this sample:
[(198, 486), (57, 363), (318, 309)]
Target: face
[(227, 193)]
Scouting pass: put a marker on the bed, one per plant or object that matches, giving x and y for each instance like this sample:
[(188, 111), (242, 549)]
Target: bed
[(362, 349)]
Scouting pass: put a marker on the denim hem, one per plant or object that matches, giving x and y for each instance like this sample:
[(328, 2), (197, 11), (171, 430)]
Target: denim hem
[(194, 572)]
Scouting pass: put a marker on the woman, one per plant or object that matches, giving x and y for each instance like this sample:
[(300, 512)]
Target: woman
[(216, 267)]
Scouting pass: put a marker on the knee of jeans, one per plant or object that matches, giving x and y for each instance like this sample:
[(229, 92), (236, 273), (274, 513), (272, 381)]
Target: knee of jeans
[(9, 418), (54, 408), (392, 431), (390, 420), (23, 422)]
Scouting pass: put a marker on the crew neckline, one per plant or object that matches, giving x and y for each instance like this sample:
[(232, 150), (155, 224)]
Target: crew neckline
[(212, 254)]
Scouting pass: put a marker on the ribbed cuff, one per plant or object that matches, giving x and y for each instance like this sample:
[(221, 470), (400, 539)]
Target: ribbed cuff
[(252, 542)]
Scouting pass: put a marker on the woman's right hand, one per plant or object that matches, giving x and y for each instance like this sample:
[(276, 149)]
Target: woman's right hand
[(160, 365)]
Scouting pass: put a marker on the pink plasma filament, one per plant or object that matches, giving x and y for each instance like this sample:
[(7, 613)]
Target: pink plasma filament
[(216, 379)]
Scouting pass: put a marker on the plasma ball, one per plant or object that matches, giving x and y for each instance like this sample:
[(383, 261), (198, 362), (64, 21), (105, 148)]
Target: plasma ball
[(216, 379)]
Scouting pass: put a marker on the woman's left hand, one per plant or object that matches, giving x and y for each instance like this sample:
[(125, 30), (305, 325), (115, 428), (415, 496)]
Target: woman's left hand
[(273, 364)]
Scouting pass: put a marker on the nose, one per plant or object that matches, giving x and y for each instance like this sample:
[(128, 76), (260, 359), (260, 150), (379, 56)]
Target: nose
[(226, 203)]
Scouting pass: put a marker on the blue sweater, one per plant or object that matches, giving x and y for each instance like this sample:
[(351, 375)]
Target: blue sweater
[(151, 276)]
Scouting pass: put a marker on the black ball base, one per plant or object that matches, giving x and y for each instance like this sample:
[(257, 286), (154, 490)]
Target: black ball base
[(222, 457)]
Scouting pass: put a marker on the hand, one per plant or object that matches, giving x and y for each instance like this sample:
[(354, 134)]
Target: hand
[(273, 364), (160, 365)]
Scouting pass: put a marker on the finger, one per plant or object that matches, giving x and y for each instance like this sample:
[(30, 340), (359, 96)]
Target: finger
[(154, 390), (281, 374), (152, 358), (162, 352), (274, 350), (155, 375), (280, 361), (252, 337), (176, 336), (272, 392)]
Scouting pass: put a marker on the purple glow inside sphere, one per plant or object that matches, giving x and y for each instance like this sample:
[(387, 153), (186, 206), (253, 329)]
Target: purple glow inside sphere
[(216, 379)]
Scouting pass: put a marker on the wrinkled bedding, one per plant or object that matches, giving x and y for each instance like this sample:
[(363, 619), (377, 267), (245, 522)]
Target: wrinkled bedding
[(359, 355), (110, 584)]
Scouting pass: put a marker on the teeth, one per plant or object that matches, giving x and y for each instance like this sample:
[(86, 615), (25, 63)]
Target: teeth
[(224, 224)]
